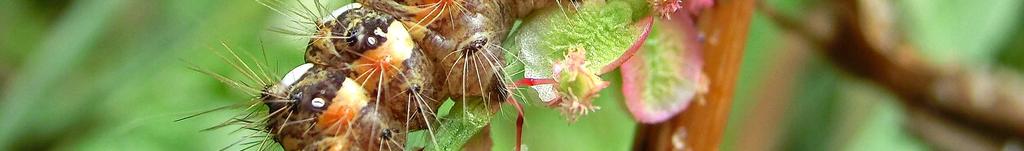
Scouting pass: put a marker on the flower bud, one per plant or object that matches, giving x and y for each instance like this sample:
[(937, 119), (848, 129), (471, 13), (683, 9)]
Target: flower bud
[(576, 86)]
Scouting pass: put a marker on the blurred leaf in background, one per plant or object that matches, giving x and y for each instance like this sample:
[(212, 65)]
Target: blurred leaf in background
[(952, 31), (110, 74), (1012, 51)]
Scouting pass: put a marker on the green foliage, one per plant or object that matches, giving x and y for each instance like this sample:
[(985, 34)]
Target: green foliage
[(1011, 53), (604, 30), (601, 29), (960, 31), (111, 74), (463, 121)]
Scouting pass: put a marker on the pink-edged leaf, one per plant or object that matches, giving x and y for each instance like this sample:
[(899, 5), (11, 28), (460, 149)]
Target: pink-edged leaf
[(664, 77)]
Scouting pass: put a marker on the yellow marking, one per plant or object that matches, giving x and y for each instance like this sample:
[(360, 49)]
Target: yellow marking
[(344, 108), (387, 58)]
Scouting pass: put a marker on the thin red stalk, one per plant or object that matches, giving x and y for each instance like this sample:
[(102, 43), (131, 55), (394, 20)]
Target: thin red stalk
[(648, 24), (519, 122), (534, 82)]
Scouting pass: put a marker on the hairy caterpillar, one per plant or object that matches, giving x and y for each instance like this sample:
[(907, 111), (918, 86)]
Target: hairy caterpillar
[(462, 39), (381, 73), (377, 69)]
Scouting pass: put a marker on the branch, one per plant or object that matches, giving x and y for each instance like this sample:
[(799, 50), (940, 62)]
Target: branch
[(987, 102), (948, 135)]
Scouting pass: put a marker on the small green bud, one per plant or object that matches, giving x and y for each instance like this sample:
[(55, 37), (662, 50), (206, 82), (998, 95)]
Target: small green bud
[(575, 85)]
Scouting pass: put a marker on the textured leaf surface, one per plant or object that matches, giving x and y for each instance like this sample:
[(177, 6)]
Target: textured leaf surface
[(463, 121), (604, 30), (665, 76)]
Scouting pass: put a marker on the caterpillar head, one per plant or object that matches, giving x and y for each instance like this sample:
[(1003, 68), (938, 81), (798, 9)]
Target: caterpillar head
[(372, 43), (355, 32), (312, 103)]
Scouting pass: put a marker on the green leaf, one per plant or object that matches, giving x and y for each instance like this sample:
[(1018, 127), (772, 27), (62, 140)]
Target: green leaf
[(664, 76), (463, 121), (955, 31), (604, 29), (64, 46)]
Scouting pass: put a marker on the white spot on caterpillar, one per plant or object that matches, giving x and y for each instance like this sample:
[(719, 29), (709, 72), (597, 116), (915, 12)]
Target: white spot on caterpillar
[(337, 12), (371, 40), (379, 32), (294, 75), (318, 102)]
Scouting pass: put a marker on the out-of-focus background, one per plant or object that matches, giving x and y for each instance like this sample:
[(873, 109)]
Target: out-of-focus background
[(112, 75)]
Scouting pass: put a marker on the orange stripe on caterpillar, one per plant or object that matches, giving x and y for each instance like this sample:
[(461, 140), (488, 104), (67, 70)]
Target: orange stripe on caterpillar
[(344, 109), (386, 59)]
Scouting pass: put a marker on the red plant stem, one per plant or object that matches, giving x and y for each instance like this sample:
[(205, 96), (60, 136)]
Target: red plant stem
[(519, 122), (519, 107), (648, 24), (700, 127), (534, 82)]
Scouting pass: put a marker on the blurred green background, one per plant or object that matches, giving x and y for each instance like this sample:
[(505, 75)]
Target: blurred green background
[(111, 75)]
